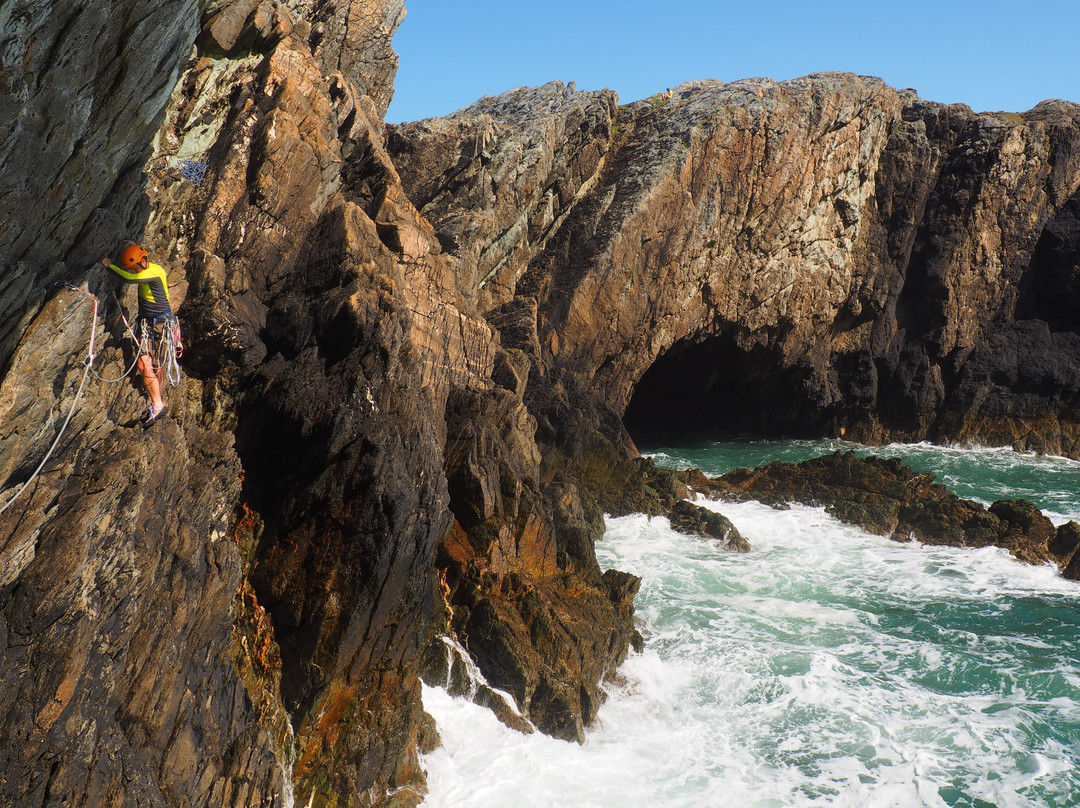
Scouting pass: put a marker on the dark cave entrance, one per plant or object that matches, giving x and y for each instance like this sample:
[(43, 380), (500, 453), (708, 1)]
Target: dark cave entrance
[(1050, 288), (710, 389)]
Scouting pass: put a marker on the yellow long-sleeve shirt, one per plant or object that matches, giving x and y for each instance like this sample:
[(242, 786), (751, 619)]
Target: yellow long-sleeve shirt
[(153, 289)]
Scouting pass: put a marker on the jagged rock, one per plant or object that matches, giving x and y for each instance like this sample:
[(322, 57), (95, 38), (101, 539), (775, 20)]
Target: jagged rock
[(524, 590), (886, 497), (314, 339), (307, 644), (411, 355), (868, 492), (355, 40), (777, 258), (1064, 546), (122, 603), (1068, 536), (83, 88), (1028, 533), (499, 177), (686, 517)]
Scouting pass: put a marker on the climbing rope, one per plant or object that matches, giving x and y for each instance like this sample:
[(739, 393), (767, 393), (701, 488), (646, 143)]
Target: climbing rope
[(134, 361), (89, 363), (173, 348), (192, 171), (163, 352), (169, 349)]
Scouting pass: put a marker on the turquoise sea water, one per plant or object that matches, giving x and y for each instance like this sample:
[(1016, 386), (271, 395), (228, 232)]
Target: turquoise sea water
[(827, 667)]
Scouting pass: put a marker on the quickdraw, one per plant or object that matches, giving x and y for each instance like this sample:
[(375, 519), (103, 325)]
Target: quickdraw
[(164, 351)]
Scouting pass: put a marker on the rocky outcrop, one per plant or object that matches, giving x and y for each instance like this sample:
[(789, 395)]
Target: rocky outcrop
[(409, 353), (885, 497), (694, 520), (124, 625), (817, 256), (522, 586), (82, 91), (345, 412)]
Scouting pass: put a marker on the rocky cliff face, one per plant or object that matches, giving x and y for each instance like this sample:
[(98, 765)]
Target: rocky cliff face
[(409, 351), (819, 255), (231, 609)]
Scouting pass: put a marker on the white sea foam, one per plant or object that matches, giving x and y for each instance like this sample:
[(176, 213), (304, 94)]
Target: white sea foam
[(825, 668)]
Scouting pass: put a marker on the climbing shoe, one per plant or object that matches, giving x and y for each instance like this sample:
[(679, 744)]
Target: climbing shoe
[(153, 416)]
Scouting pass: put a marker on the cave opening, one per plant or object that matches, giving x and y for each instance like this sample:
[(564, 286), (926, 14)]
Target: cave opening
[(1050, 288), (708, 388)]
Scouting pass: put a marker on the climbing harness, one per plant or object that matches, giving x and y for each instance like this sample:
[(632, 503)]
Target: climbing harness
[(164, 348), (89, 363), (163, 352)]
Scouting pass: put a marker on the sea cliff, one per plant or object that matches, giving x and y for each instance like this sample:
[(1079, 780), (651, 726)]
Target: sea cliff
[(411, 353)]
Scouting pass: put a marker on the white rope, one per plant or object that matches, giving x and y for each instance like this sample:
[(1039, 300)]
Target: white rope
[(172, 346), (89, 363), (163, 352), (123, 376)]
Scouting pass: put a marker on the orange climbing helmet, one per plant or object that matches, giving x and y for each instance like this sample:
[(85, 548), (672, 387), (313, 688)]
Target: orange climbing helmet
[(132, 256)]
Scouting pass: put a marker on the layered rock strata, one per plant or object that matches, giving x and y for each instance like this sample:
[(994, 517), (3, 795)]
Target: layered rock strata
[(409, 354), (817, 256), (280, 530)]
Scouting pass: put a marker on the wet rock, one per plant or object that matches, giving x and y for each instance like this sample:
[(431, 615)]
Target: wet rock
[(1072, 571), (523, 589), (1027, 533), (1064, 548), (686, 517), (886, 497)]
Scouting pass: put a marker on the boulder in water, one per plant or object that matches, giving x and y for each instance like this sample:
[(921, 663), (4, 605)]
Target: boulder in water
[(694, 520)]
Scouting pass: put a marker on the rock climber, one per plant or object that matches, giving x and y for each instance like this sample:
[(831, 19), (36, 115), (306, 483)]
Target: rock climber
[(153, 321)]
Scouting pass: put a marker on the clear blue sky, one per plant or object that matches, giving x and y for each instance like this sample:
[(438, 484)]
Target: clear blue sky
[(990, 54)]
